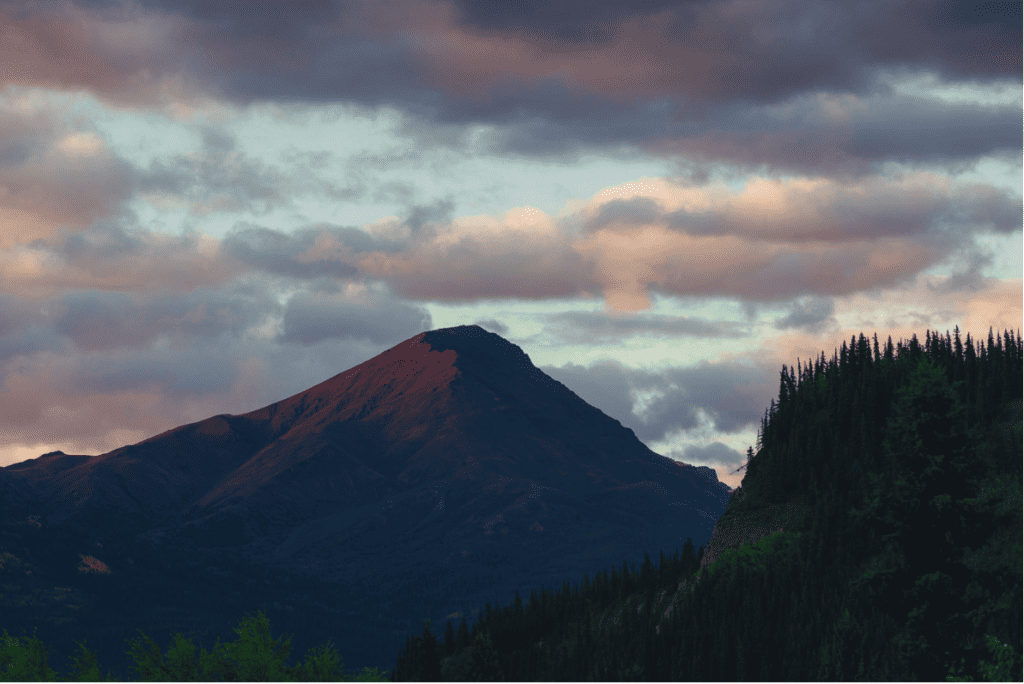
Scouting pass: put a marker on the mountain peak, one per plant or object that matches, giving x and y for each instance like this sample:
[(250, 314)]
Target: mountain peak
[(449, 450)]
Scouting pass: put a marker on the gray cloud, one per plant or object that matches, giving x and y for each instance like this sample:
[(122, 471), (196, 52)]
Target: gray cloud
[(103, 242), (311, 317), (423, 219), (812, 314), (968, 276), (603, 384), (732, 395), (729, 83), (596, 328), (632, 211), (97, 320), (217, 179), (277, 252), (715, 453), (495, 326), (194, 369)]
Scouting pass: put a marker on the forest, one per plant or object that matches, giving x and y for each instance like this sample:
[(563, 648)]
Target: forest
[(900, 559)]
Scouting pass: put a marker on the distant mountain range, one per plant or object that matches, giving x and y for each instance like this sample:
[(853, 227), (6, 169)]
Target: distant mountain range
[(448, 469)]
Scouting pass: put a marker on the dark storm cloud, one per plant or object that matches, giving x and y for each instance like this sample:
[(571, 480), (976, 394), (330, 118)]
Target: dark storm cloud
[(546, 121), (311, 317), (576, 23), (899, 126), (28, 340)]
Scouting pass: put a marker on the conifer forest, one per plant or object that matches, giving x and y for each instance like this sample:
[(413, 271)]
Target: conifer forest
[(876, 536)]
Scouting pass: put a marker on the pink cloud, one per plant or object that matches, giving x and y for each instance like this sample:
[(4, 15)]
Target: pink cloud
[(123, 56), (150, 262), (772, 240)]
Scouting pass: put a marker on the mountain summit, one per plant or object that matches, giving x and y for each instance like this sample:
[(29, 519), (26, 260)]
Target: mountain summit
[(449, 454)]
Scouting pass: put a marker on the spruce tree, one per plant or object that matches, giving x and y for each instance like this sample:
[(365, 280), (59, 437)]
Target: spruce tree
[(484, 665), (429, 666)]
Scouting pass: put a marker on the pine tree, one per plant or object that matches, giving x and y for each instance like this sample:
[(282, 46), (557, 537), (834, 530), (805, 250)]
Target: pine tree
[(484, 665), (449, 639), (462, 635), (429, 666)]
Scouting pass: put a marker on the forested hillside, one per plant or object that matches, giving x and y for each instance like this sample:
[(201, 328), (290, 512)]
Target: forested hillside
[(877, 536)]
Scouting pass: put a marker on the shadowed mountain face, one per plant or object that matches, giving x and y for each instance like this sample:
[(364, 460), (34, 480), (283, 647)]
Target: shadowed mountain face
[(449, 454)]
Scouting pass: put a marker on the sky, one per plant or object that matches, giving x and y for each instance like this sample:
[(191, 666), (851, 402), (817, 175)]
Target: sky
[(206, 207)]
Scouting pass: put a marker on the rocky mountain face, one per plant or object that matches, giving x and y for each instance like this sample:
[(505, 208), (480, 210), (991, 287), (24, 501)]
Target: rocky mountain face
[(448, 469)]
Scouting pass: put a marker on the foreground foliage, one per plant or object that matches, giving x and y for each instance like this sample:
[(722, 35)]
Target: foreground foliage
[(253, 657)]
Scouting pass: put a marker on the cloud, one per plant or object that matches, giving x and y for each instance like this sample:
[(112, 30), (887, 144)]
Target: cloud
[(715, 453), (771, 241), (968, 277), (674, 398), (111, 256), (306, 253), (494, 326), (219, 179), (96, 320), (582, 326), (128, 56), (847, 135), (792, 85), (52, 174), (812, 314), (311, 317)]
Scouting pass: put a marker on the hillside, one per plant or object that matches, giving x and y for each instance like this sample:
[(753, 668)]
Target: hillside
[(876, 536)]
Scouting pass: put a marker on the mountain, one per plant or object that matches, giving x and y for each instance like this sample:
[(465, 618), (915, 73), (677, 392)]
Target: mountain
[(446, 471)]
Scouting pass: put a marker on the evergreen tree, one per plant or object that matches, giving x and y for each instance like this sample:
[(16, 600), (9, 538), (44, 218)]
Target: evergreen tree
[(449, 639), (484, 665), (428, 668), (462, 636)]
